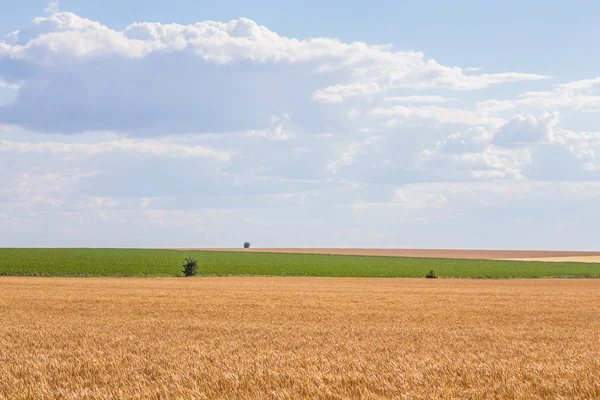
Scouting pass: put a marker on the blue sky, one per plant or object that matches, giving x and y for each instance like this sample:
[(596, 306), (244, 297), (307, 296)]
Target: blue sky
[(462, 124)]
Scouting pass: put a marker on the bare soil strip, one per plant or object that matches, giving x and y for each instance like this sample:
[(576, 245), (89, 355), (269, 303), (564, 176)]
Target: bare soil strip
[(296, 338), (584, 259), (425, 253)]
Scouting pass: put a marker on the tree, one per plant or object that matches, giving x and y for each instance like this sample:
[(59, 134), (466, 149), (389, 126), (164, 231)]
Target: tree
[(431, 274), (247, 245), (190, 267)]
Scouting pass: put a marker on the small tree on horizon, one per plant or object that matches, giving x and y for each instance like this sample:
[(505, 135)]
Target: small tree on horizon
[(190, 267), (247, 245)]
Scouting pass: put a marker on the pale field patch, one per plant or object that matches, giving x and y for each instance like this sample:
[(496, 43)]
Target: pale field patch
[(283, 338), (583, 259), (519, 255)]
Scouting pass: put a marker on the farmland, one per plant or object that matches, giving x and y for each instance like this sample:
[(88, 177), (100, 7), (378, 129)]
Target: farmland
[(261, 337), (167, 263)]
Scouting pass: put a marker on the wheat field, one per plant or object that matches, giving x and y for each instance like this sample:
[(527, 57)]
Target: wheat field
[(287, 338)]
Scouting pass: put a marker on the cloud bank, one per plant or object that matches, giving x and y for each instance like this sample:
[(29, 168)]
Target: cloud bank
[(232, 131), (77, 75)]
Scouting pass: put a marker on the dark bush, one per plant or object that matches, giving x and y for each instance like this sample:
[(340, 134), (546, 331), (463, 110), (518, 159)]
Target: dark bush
[(247, 245), (431, 274), (190, 267)]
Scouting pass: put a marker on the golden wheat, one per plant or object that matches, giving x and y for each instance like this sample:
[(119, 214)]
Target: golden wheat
[(285, 338)]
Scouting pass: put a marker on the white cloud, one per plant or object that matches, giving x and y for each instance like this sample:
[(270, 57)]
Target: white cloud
[(338, 93), (409, 205), (575, 95), (33, 192), (495, 106), (494, 162), (53, 7), (98, 203), (418, 99), (237, 40), (524, 147), (97, 78), (298, 151), (524, 129), (347, 156), (122, 145), (560, 99), (440, 115), (582, 85), (280, 129), (7, 85), (472, 140)]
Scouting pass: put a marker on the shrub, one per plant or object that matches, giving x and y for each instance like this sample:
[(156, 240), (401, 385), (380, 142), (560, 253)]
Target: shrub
[(431, 274), (190, 267), (247, 245)]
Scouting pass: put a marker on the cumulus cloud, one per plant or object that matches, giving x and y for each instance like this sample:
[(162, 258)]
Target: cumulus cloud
[(53, 7), (524, 147), (472, 140), (78, 75), (523, 129)]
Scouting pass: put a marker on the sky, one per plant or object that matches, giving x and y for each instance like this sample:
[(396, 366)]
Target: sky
[(396, 124)]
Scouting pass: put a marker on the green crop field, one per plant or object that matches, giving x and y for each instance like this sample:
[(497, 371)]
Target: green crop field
[(133, 262)]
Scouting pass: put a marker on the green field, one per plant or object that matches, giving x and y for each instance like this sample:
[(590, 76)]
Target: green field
[(130, 262)]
